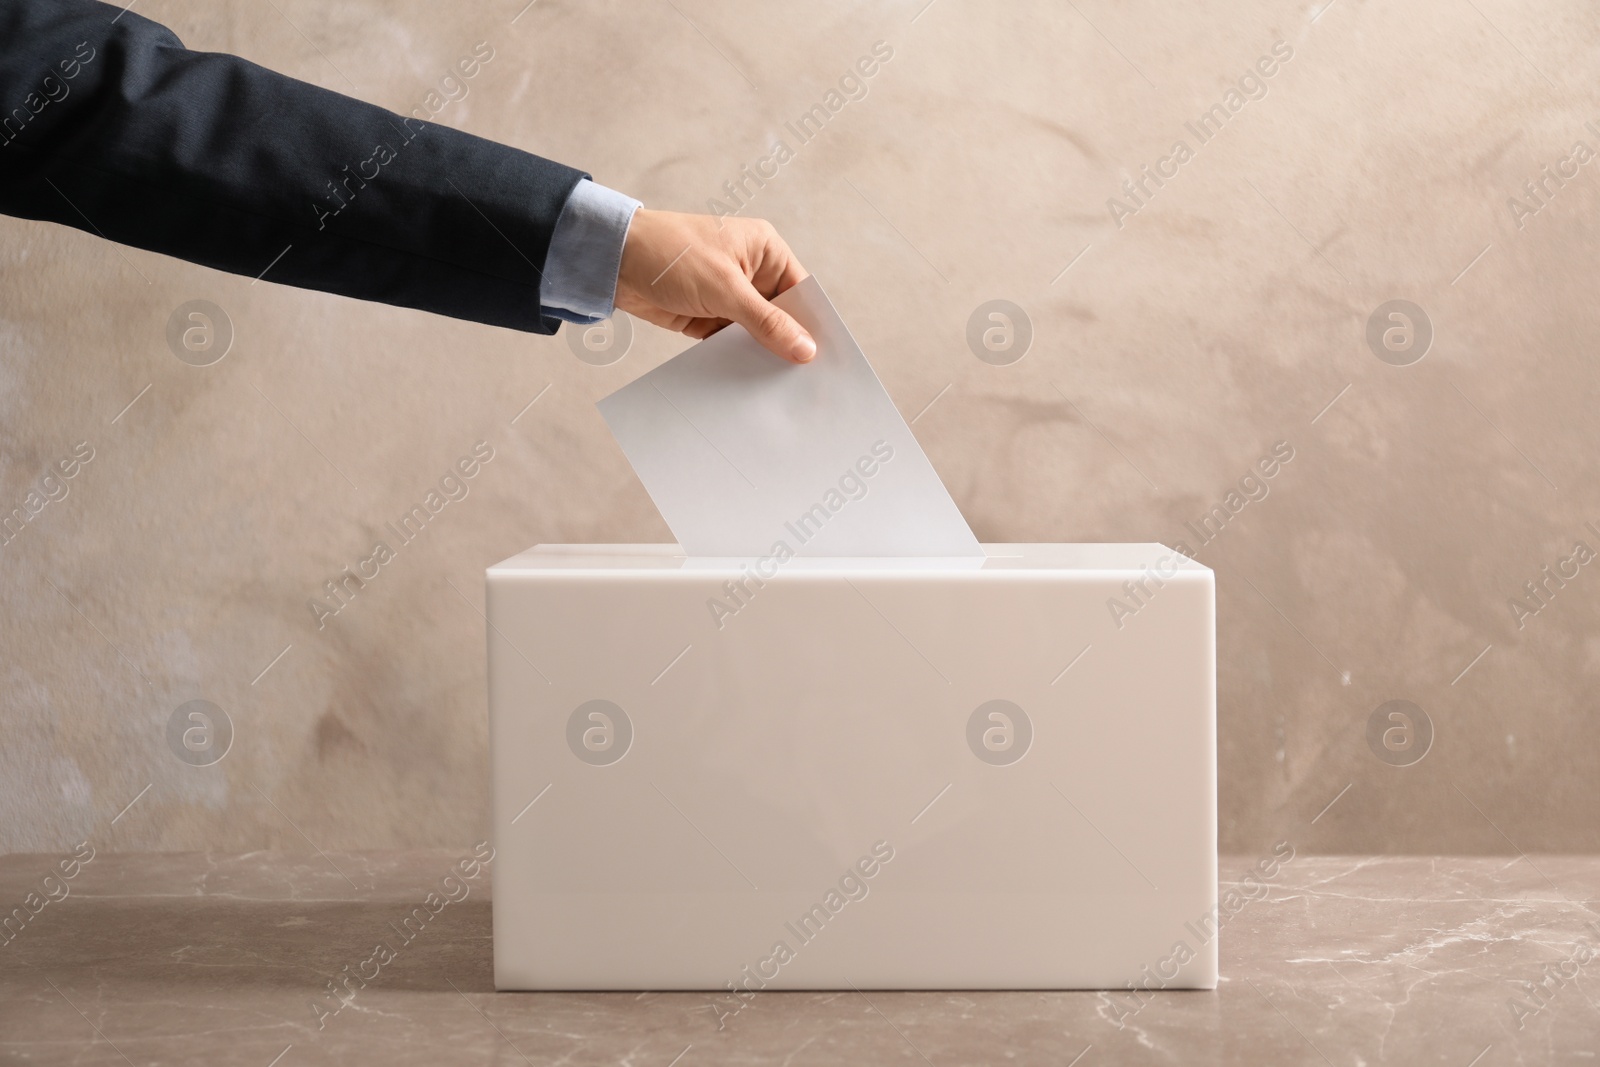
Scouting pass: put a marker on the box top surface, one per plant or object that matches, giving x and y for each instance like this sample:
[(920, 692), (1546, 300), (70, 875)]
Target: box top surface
[(669, 558)]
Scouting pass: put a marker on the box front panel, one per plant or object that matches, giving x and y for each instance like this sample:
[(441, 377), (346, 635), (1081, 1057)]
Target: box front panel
[(971, 781)]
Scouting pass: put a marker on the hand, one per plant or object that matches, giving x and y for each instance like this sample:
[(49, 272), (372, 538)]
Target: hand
[(696, 273)]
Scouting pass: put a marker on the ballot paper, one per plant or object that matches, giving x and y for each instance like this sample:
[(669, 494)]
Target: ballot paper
[(747, 454)]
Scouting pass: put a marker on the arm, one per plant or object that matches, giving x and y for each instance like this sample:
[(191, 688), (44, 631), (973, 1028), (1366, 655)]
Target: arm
[(111, 125), (116, 128)]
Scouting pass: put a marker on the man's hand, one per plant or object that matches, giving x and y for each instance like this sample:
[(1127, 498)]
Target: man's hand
[(690, 274)]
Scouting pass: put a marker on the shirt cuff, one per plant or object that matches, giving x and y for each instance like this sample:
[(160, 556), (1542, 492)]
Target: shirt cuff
[(580, 270)]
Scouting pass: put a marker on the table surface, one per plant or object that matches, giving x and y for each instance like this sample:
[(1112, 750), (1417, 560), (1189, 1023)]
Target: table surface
[(220, 959)]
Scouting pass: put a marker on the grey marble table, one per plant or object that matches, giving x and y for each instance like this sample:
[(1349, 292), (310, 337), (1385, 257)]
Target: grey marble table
[(227, 959)]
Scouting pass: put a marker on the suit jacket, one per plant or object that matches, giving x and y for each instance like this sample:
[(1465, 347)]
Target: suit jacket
[(109, 124)]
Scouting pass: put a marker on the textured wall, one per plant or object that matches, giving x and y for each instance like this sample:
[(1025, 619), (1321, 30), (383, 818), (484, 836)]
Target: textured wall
[(1178, 339)]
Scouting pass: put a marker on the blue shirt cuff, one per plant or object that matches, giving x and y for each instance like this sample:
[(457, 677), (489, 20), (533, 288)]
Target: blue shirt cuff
[(580, 271)]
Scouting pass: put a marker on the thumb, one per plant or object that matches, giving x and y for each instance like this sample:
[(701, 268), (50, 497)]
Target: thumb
[(770, 324)]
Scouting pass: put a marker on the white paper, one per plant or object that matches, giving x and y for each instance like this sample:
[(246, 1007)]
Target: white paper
[(744, 452)]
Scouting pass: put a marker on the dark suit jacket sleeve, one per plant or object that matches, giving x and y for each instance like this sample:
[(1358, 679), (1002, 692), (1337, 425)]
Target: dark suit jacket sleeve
[(108, 123)]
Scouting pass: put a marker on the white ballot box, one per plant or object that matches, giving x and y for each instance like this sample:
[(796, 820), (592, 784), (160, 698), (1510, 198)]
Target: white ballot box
[(745, 774)]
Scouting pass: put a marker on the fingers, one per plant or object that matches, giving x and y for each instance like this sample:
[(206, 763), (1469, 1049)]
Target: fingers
[(777, 269), (702, 328), (768, 323), (793, 274), (679, 274), (658, 316)]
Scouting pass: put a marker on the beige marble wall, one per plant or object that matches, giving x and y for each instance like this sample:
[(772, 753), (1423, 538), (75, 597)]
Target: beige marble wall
[(1177, 341)]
